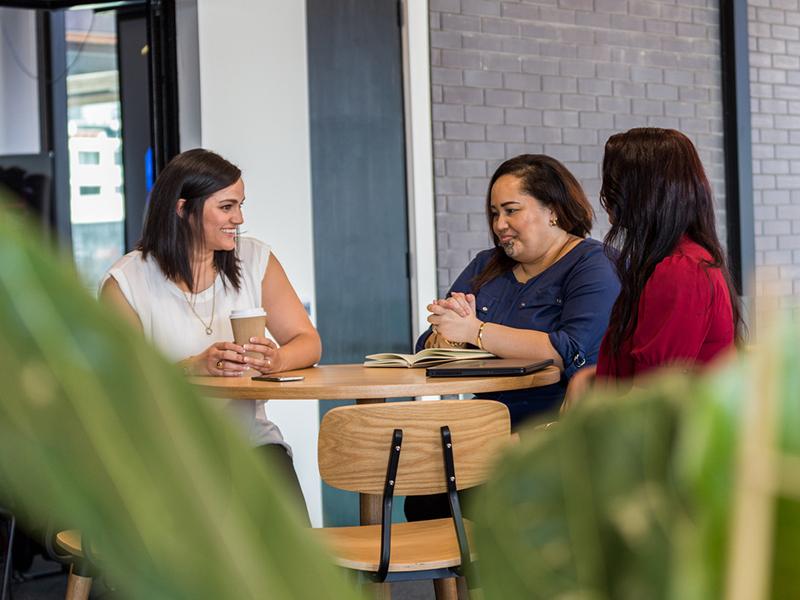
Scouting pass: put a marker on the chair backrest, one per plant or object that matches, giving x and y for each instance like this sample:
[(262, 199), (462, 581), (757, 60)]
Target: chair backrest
[(355, 443)]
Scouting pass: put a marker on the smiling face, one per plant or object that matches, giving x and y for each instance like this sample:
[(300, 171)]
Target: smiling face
[(520, 222), (222, 214)]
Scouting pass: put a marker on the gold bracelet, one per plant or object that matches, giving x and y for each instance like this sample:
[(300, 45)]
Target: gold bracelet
[(479, 339)]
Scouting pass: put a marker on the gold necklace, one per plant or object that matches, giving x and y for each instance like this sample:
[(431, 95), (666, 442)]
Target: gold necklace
[(209, 330)]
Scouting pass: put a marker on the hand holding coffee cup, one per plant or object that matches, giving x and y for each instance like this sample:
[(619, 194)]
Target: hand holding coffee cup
[(223, 358), (248, 331), (269, 350)]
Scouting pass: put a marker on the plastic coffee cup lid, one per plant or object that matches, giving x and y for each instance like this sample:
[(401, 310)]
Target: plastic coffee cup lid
[(248, 312)]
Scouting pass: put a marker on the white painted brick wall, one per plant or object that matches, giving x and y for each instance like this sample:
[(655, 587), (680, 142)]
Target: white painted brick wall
[(774, 30), (560, 76)]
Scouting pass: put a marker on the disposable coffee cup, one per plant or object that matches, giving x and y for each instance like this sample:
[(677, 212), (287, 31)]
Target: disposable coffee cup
[(248, 323)]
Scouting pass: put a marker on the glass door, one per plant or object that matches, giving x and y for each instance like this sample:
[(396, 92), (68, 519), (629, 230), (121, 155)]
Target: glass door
[(97, 83), (97, 200)]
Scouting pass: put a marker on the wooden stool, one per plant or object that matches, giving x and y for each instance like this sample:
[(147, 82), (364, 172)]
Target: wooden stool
[(79, 583)]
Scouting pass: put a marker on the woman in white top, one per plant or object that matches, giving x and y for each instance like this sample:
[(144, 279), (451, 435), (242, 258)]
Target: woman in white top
[(191, 269)]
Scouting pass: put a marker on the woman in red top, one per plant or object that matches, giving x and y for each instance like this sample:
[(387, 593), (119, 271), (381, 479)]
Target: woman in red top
[(677, 304)]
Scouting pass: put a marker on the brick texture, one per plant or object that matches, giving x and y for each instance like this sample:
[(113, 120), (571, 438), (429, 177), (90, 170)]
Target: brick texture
[(560, 76), (774, 30)]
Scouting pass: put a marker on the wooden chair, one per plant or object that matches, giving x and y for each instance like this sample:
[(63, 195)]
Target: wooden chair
[(409, 448), (67, 547)]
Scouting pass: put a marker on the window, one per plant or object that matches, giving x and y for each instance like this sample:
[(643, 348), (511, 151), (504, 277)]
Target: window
[(88, 158), (98, 219)]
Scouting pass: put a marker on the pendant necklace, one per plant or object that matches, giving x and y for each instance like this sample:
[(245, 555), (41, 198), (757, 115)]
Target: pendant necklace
[(208, 327)]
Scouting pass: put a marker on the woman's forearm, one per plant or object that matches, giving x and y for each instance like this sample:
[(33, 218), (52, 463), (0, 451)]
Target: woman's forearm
[(303, 350), (436, 340), (510, 342), (189, 365)]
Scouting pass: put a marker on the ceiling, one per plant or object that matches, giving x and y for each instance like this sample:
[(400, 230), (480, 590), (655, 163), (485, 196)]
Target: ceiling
[(61, 4)]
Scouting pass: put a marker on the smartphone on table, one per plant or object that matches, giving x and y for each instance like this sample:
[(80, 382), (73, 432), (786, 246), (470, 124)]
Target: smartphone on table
[(278, 378)]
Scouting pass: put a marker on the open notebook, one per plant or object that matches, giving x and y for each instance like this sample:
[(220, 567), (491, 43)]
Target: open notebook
[(424, 358)]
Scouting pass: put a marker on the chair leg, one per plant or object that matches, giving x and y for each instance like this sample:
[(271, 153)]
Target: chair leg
[(78, 586), (463, 588), (4, 590), (452, 588), (379, 591), (445, 589)]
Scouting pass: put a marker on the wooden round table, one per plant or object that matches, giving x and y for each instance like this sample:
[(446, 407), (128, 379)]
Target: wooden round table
[(345, 382), (366, 385)]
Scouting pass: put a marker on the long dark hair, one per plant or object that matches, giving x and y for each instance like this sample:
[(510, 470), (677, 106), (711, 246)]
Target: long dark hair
[(551, 183), (655, 190), (170, 238)]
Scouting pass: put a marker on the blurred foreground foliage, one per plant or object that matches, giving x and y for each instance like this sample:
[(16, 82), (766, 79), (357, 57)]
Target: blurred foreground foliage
[(688, 489), (99, 433)]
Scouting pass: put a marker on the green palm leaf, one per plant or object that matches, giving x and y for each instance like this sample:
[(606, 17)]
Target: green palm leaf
[(642, 496), (99, 433)]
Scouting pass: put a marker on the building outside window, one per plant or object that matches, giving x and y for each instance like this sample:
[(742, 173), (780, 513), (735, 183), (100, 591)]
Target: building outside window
[(97, 206)]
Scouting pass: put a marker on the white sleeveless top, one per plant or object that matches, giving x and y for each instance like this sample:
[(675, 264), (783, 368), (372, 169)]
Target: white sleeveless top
[(170, 325)]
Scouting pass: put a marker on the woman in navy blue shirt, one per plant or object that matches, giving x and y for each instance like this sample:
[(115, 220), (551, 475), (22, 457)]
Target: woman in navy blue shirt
[(544, 291)]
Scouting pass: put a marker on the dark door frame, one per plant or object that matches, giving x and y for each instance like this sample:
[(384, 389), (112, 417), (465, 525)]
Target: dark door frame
[(737, 145), (163, 89)]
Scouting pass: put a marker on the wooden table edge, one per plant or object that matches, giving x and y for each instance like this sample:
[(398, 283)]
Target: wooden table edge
[(429, 386)]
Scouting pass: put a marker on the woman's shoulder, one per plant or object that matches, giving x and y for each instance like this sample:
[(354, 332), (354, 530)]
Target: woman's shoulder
[(482, 258), (588, 264), (478, 263), (690, 251), (688, 257), (130, 271), (129, 263), (686, 267), (476, 266), (590, 253), (250, 247), (590, 248)]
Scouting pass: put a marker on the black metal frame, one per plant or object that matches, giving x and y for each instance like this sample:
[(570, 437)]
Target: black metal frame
[(382, 574), (737, 144), (452, 496), (163, 66), (388, 497), (12, 524), (56, 94)]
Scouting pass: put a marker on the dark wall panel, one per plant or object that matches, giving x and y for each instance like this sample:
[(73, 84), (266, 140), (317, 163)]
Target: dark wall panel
[(358, 186)]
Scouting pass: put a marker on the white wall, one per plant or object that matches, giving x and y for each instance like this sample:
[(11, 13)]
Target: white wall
[(19, 95), (419, 160), (189, 112), (254, 104)]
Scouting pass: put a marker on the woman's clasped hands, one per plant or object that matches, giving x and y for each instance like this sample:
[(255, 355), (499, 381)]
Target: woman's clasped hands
[(455, 318), (229, 359)]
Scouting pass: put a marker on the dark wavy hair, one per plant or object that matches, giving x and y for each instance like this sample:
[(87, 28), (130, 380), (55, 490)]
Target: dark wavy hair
[(655, 190), (551, 183), (170, 238)]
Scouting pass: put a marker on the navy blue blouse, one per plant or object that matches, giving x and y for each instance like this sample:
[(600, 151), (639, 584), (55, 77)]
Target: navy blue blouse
[(571, 301)]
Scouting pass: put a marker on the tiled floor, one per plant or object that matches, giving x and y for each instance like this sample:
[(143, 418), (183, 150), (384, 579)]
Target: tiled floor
[(54, 588), (413, 590)]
